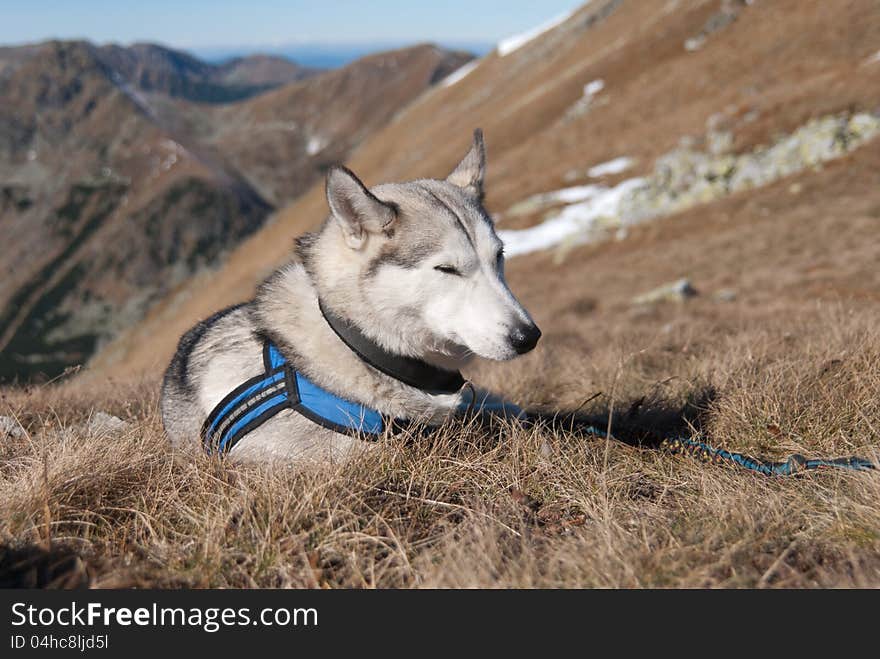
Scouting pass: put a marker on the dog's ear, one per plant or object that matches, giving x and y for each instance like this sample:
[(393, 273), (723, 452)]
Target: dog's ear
[(469, 173), (357, 210)]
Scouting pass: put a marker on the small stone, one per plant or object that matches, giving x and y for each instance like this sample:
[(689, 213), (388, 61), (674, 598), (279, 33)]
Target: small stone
[(546, 450), (103, 423), (725, 295), (677, 291), (10, 428), (750, 116)]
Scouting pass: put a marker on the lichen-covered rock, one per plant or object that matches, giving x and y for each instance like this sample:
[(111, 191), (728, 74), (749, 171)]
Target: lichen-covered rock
[(685, 176)]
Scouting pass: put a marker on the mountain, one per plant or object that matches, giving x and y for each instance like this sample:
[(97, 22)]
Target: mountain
[(114, 191), (265, 70), (644, 93), (108, 208), (153, 68)]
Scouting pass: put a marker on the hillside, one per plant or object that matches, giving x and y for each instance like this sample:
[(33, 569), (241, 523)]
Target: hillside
[(142, 197), (109, 225), (614, 80), (262, 70)]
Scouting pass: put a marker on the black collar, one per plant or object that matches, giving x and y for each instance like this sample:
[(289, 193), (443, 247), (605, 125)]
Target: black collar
[(409, 370)]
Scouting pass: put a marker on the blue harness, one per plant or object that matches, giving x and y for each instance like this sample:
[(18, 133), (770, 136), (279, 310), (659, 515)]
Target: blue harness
[(281, 387)]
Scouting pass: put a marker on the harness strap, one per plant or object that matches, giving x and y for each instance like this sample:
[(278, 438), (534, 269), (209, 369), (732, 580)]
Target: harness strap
[(282, 387)]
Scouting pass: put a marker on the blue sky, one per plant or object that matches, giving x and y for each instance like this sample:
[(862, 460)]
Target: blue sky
[(203, 25)]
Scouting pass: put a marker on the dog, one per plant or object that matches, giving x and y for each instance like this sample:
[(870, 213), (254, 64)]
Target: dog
[(362, 332)]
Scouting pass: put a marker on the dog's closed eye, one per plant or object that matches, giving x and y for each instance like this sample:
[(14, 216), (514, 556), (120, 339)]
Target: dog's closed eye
[(448, 269)]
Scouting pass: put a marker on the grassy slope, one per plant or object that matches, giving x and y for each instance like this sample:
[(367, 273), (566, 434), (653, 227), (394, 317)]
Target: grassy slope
[(791, 365), (465, 509)]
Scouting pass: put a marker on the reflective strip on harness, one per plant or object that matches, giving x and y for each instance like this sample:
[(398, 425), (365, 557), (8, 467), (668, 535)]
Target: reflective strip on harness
[(255, 417), (245, 396)]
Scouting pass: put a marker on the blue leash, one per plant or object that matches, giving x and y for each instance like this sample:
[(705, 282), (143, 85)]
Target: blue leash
[(794, 464)]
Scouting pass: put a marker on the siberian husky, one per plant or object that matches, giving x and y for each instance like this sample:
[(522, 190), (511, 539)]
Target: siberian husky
[(371, 319)]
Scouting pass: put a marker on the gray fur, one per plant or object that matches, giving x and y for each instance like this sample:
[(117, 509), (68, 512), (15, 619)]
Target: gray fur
[(371, 262)]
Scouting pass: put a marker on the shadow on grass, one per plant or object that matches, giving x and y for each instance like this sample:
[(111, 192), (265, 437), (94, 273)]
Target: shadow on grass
[(641, 422)]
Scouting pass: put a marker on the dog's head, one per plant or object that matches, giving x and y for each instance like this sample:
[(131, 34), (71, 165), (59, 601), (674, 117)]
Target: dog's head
[(418, 266)]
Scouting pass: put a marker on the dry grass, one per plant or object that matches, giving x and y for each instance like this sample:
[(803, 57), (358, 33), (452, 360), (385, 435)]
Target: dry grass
[(469, 507)]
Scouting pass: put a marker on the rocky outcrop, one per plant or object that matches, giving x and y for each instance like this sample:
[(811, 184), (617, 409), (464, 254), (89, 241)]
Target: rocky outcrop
[(686, 176)]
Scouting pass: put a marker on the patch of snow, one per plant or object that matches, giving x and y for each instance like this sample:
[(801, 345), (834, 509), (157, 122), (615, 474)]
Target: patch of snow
[(459, 74), (694, 43), (594, 87), (873, 59), (315, 145), (572, 195), (542, 200), (611, 167), (517, 41), (583, 104), (572, 221)]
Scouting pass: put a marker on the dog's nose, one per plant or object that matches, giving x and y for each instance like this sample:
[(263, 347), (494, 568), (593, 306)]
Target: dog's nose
[(524, 337)]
